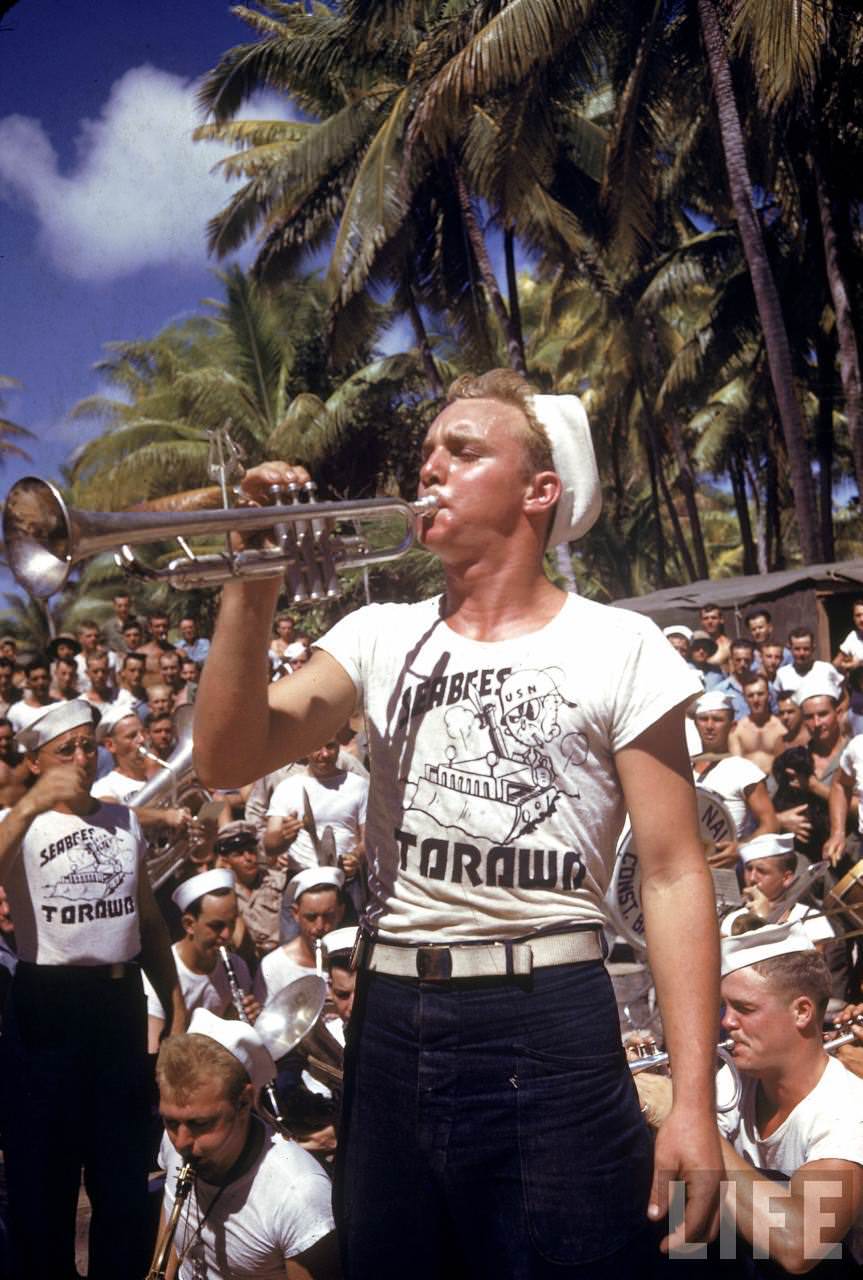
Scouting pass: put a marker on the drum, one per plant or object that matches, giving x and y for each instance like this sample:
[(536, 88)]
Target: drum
[(846, 897), (623, 900)]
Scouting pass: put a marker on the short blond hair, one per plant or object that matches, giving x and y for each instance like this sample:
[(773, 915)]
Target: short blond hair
[(186, 1062), (509, 387)]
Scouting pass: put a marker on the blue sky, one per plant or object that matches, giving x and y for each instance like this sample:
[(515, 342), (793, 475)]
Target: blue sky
[(103, 196)]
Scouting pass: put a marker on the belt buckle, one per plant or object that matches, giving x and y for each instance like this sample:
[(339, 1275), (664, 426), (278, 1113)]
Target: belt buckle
[(434, 964)]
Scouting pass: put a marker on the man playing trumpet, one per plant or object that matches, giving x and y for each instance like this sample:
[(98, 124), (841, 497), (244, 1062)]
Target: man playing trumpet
[(510, 724)]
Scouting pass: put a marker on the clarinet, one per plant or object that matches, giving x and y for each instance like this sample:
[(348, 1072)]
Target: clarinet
[(237, 998)]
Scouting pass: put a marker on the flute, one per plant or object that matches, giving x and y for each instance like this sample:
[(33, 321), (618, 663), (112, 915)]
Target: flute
[(237, 998)]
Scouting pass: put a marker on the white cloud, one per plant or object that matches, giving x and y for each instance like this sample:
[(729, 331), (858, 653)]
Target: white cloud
[(141, 192)]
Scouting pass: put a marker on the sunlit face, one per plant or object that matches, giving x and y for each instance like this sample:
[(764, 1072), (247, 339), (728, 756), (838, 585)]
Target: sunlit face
[(714, 728), (188, 630), (161, 735), (342, 985), (741, 660), (317, 913), (323, 761), (122, 608), (133, 637), (802, 652), (74, 747), (474, 460), (189, 671), (790, 715), (766, 874), (206, 1128), (761, 1023), (169, 668), (159, 627), (214, 926), (39, 682), (680, 643), (821, 719), (760, 628), (99, 671), (125, 740), (244, 864), (285, 629), (89, 638), (65, 675), (160, 699), (711, 621), (757, 697), (133, 673), (771, 659)]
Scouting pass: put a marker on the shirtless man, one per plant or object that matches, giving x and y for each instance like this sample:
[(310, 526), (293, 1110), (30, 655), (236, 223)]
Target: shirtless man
[(158, 644), (712, 622), (796, 733), (759, 736), (14, 770)]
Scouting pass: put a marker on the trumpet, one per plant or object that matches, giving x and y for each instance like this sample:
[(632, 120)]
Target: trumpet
[(161, 1256), (650, 1061), (45, 538)]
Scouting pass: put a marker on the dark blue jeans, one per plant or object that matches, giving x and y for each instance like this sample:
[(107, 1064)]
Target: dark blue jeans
[(491, 1128)]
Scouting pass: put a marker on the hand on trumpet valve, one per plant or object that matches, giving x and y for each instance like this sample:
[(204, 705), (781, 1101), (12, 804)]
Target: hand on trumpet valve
[(639, 1044), (849, 1019), (176, 819), (264, 485)]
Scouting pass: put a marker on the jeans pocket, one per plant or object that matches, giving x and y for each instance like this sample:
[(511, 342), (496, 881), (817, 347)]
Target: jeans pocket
[(586, 1156)]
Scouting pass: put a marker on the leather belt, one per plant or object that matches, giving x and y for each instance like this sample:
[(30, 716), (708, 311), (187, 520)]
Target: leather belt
[(79, 972), (439, 962)]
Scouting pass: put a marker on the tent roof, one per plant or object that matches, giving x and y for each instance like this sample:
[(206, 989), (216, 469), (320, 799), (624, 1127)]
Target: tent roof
[(736, 592)]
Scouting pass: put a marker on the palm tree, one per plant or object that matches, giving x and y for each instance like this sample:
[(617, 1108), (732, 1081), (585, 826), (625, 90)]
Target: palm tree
[(9, 431)]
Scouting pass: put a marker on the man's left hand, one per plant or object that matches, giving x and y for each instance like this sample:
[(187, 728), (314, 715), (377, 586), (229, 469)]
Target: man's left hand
[(687, 1150)]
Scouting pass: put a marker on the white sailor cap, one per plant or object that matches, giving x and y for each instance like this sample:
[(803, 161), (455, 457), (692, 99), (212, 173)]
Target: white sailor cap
[(340, 940), (329, 877), (766, 846), (755, 945), (116, 711), (207, 882), (678, 629), (580, 502), (296, 649), (239, 1039), (713, 700), (57, 718), (819, 684)]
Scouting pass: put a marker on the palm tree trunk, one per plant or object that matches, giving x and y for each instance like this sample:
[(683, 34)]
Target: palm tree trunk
[(686, 480), (738, 486), (656, 453), (849, 350), (825, 349), (661, 575), (483, 262), (763, 284), (423, 344), (775, 549), (512, 290)]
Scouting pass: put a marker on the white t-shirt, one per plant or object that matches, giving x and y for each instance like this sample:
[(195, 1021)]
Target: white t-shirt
[(203, 990), (20, 714), (495, 804), (826, 1125), (816, 926), (277, 1210), (789, 681), (338, 802), (851, 762), (852, 646), (730, 779), (119, 786), (277, 971), (74, 888)]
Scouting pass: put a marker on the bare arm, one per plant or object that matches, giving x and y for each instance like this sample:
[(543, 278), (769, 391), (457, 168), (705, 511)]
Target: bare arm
[(680, 919), (735, 746), (157, 957), (321, 1262), (62, 785), (841, 791), (799, 1220), (761, 807)]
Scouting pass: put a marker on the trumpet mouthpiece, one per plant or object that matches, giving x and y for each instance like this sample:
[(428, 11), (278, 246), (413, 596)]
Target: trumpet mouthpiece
[(424, 506)]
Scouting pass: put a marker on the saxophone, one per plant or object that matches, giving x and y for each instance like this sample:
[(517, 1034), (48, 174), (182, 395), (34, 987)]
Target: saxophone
[(159, 1265)]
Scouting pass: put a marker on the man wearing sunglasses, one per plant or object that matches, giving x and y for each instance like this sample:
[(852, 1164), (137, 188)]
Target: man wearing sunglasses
[(73, 1055)]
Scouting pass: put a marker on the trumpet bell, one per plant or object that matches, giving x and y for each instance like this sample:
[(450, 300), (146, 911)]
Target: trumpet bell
[(291, 1014)]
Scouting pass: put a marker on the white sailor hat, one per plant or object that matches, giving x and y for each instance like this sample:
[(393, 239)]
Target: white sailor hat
[(766, 846), (330, 877), (207, 882), (116, 711), (239, 1039), (678, 629), (296, 649), (713, 700), (54, 720), (819, 684), (340, 940), (580, 502), (755, 945)]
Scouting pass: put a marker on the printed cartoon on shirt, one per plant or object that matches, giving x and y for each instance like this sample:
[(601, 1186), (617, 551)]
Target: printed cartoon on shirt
[(508, 761), (90, 865)]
